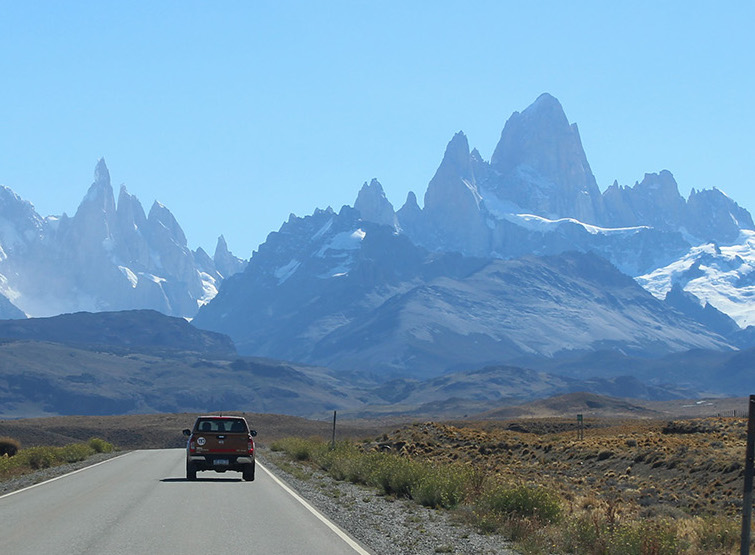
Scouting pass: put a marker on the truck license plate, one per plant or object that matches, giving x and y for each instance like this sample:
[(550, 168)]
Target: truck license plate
[(221, 461)]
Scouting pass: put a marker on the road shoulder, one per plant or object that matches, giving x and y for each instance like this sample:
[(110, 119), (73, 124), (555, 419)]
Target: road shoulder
[(383, 524), (16, 483)]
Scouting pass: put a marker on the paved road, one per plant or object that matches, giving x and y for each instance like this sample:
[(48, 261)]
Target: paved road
[(141, 503)]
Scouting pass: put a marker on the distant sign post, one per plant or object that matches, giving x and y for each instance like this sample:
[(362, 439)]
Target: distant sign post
[(580, 427), (744, 548)]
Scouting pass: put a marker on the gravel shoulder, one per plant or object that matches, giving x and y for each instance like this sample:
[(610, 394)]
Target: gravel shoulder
[(383, 524)]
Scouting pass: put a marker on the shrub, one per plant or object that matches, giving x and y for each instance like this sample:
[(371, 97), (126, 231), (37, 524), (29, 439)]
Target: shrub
[(441, 487), (718, 533), (298, 448), (100, 445), (9, 446), (646, 537), (394, 474), (523, 501), (40, 457), (6, 463), (302, 450), (343, 463), (35, 458), (339, 462), (590, 532), (75, 452), (581, 534), (522, 530)]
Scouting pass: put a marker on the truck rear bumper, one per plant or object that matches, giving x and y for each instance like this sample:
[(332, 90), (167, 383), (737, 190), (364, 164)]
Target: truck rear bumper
[(220, 462)]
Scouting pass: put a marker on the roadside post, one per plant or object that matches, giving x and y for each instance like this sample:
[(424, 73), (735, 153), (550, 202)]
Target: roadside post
[(333, 439), (580, 428), (744, 548)]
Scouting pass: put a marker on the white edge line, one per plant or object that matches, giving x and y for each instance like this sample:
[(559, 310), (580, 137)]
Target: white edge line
[(340, 533), (64, 475)]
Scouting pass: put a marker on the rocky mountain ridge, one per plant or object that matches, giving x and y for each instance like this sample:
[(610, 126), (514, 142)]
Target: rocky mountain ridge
[(333, 290), (539, 170), (108, 256), (537, 195), (505, 259)]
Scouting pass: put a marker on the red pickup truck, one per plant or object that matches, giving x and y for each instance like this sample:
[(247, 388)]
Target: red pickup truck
[(220, 443)]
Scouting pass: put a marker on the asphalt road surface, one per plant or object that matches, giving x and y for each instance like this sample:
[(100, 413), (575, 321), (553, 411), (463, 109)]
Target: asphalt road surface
[(141, 503)]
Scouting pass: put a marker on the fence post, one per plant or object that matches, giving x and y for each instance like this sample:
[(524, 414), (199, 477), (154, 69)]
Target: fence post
[(333, 440), (744, 548)]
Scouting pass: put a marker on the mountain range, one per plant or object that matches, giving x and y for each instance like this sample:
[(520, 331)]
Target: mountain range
[(518, 262), (333, 290), (107, 256), (518, 256)]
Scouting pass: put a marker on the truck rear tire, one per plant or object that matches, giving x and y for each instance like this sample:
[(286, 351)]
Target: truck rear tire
[(191, 471), (248, 473)]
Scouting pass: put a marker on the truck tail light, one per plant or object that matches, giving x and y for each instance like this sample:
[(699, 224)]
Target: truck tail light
[(250, 447), (192, 446)]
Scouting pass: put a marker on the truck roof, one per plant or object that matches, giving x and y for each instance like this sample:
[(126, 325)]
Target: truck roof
[(221, 416)]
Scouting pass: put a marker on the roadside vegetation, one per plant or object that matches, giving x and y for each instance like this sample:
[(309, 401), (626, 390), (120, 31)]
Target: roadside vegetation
[(550, 493), (15, 461)]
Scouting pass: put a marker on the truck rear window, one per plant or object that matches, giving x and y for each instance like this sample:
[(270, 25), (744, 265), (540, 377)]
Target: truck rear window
[(225, 425)]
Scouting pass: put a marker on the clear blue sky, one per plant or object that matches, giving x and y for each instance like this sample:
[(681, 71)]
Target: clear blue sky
[(234, 114)]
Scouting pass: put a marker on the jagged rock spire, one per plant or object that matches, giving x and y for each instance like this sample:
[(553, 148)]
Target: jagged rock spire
[(160, 218), (373, 205), (543, 165), (101, 173), (94, 221), (225, 262), (452, 201)]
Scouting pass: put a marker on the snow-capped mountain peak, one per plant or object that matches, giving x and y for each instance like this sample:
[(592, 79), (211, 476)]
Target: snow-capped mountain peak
[(487, 269), (721, 275)]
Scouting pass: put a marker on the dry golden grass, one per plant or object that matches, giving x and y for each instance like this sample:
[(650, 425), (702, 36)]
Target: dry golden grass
[(645, 468), (644, 487)]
